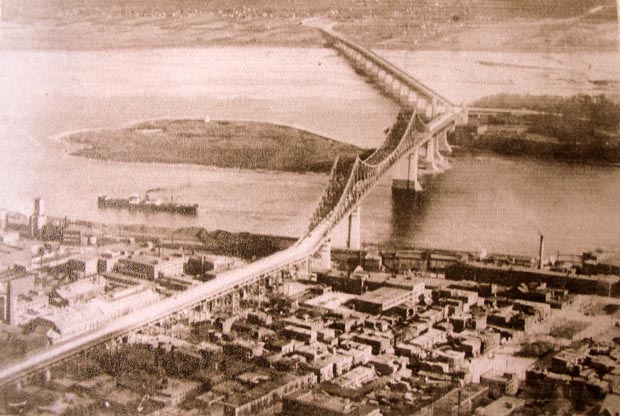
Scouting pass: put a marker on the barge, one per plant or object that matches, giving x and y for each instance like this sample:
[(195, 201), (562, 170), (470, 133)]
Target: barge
[(137, 203)]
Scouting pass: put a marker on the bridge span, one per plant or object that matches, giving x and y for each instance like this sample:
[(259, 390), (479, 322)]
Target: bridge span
[(409, 93), (418, 126)]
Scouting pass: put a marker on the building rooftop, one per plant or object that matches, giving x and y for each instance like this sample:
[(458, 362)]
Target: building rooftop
[(452, 398), (505, 405), (275, 379), (81, 287), (383, 294), (150, 260), (326, 402), (331, 300)]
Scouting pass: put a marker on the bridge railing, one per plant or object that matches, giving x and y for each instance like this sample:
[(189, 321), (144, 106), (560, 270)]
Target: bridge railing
[(394, 137), (337, 201)]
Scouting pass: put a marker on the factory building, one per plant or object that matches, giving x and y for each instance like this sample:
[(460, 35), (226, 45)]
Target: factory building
[(150, 267)]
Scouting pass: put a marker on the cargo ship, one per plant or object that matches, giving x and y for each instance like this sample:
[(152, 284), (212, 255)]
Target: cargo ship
[(137, 203)]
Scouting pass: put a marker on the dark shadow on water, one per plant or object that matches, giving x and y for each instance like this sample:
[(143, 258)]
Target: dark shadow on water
[(409, 211)]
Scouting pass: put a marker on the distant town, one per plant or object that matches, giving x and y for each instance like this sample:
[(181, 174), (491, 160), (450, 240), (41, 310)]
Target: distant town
[(391, 332)]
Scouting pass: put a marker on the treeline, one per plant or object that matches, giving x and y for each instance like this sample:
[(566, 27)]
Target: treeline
[(600, 110), (585, 127), (580, 119)]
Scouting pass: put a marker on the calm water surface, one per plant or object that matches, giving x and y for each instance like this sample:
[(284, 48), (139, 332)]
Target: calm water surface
[(485, 201)]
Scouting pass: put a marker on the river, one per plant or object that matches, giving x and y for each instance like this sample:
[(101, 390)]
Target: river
[(484, 201)]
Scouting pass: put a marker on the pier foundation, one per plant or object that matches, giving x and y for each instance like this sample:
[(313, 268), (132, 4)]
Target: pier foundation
[(405, 180)]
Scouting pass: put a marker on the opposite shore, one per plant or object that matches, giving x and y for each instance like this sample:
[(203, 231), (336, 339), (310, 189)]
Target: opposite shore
[(566, 26)]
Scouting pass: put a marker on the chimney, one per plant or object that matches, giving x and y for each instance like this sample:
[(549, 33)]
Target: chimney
[(3, 219), (541, 251)]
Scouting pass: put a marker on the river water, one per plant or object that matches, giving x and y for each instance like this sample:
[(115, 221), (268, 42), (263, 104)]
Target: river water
[(484, 201)]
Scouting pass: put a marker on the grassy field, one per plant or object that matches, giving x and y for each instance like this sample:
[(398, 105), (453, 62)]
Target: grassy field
[(544, 25), (226, 144)]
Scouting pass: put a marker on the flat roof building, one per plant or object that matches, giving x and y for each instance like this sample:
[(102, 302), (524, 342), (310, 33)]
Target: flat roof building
[(504, 406), (80, 291), (313, 403), (150, 267), (460, 401), (263, 395), (382, 299)]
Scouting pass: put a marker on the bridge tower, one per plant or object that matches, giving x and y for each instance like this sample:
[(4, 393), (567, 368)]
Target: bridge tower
[(354, 234)]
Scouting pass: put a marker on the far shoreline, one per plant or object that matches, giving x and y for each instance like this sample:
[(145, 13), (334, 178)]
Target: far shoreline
[(461, 150), (303, 46)]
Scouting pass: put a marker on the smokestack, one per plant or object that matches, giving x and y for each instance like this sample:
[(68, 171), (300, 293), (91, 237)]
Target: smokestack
[(3, 220), (541, 251), (39, 206)]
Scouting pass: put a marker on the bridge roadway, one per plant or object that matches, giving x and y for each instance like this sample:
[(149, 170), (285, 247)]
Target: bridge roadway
[(225, 283), (387, 66), (361, 179)]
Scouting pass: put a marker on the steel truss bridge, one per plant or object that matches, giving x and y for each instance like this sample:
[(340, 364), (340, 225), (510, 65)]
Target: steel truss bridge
[(424, 119)]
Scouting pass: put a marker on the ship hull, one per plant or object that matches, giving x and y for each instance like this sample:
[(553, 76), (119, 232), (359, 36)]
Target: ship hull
[(122, 203)]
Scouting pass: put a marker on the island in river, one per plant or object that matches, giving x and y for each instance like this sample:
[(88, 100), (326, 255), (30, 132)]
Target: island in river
[(225, 144)]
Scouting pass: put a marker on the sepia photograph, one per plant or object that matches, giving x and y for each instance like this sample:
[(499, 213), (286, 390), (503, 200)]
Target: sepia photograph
[(310, 207)]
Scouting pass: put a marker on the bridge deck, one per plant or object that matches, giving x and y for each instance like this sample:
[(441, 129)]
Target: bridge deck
[(390, 68)]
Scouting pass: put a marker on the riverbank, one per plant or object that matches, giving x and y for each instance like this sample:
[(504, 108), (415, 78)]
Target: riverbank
[(252, 246), (245, 245), (533, 149), (224, 144), (580, 128)]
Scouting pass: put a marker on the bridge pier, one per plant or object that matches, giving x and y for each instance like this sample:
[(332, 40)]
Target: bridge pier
[(406, 180), (373, 71), (439, 159), (353, 237), (438, 156), (382, 76), (322, 260), (394, 88), (430, 156), (464, 115), (443, 141)]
